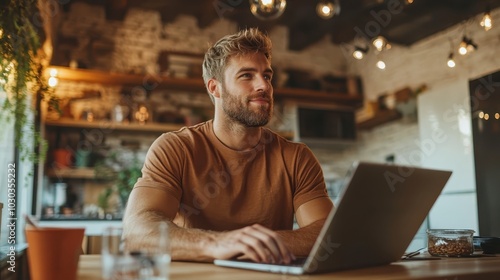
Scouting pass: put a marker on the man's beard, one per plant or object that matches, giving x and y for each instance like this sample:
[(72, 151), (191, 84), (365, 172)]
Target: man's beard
[(241, 112)]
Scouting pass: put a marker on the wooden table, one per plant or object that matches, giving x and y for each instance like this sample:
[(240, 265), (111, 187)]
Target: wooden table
[(446, 268)]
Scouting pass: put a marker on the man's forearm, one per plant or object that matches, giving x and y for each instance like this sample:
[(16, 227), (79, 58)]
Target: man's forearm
[(185, 244), (301, 241), (254, 242)]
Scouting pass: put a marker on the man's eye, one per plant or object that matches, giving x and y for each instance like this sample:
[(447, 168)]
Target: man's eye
[(268, 77), (246, 75)]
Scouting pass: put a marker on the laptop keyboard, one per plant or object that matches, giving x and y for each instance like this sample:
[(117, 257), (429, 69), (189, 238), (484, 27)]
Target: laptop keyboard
[(297, 262)]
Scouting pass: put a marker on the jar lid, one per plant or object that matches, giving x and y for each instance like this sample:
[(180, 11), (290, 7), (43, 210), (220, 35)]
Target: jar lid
[(450, 231)]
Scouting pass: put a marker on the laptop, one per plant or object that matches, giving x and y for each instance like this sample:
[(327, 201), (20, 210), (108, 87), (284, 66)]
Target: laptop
[(379, 211)]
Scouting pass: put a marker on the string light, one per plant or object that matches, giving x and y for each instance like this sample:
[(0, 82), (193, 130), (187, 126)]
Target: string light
[(359, 52), (327, 9), (451, 62), (486, 21), (267, 9), (53, 80), (466, 46), (379, 43), (380, 64)]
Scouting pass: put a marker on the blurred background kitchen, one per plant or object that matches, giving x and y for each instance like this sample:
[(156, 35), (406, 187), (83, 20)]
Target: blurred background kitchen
[(398, 81)]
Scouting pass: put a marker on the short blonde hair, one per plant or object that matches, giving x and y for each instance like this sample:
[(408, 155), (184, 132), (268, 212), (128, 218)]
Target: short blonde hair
[(243, 42)]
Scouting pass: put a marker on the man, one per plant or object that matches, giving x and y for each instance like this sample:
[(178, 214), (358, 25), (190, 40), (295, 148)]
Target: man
[(229, 187)]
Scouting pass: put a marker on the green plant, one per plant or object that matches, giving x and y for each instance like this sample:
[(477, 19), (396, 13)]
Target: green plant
[(21, 79), (103, 199), (123, 169)]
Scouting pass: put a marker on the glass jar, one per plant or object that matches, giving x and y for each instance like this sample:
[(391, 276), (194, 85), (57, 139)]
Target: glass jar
[(450, 242)]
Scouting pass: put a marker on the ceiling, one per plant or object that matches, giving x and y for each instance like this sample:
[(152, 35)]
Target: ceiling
[(404, 24)]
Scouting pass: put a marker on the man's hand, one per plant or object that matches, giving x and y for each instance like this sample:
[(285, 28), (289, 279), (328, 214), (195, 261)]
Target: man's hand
[(255, 242)]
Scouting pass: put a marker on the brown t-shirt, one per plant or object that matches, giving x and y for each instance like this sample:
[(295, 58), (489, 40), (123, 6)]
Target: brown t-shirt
[(218, 188)]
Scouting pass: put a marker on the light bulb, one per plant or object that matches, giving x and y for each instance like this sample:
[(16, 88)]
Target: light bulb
[(381, 65), (451, 62), (53, 72), (267, 9), (53, 81), (486, 21), (462, 49), (497, 116), (358, 54), (379, 43), (326, 9), (470, 48)]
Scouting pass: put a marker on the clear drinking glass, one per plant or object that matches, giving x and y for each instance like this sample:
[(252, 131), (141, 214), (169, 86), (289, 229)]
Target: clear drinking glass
[(151, 262), (116, 262), (155, 256)]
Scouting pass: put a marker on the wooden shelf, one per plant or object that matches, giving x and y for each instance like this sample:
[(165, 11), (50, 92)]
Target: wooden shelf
[(148, 81), (71, 173), (109, 125), (151, 82), (380, 117)]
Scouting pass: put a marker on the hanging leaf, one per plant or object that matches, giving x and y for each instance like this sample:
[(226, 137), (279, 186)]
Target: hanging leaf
[(21, 75)]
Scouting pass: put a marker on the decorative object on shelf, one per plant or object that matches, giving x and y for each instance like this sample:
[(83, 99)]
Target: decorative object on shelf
[(267, 9), (82, 158), (87, 114), (59, 196), (142, 114), (63, 158), (120, 113), (21, 68)]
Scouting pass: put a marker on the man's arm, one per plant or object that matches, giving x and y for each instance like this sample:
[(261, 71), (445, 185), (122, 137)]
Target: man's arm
[(310, 217), (147, 207)]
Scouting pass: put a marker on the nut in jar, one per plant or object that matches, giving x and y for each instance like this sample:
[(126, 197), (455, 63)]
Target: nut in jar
[(450, 242)]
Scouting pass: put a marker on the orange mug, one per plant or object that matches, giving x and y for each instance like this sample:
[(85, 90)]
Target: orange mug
[(53, 253)]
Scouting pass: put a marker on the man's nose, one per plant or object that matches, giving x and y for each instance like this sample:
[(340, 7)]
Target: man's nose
[(263, 83)]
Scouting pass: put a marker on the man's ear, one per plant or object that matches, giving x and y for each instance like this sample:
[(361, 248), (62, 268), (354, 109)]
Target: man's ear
[(213, 87)]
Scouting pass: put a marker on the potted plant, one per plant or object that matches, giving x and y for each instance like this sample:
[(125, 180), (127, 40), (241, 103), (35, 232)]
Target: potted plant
[(123, 168)]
